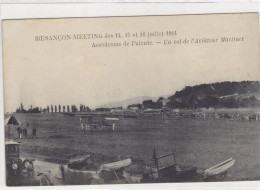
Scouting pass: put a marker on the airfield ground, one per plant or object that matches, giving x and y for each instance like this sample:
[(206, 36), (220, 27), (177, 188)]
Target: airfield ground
[(198, 142)]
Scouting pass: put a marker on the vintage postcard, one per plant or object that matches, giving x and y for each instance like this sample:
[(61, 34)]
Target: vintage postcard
[(128, 100)]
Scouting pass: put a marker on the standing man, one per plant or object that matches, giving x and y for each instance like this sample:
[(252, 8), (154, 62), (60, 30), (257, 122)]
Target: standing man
[(9, 131), (87, 126), (113, 127), (82, 126), (34, 132), (19, 131), (26, 127), (25, 132)]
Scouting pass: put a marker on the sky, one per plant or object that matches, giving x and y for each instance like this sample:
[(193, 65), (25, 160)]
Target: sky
[(40, 73)]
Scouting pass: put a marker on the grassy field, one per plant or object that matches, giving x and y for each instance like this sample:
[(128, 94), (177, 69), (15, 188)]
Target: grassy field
[(194, 141)]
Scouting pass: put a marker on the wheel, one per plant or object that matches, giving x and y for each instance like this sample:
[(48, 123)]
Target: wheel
[(44, 181), (94, 181)]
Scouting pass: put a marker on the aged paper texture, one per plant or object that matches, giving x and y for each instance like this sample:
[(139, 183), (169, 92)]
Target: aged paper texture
[(132, 99)]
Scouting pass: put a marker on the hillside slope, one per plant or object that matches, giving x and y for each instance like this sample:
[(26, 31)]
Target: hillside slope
[(218, 95)]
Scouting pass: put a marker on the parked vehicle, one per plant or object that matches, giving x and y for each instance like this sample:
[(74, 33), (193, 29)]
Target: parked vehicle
[(83, 170), (18, 170), (165, 169)]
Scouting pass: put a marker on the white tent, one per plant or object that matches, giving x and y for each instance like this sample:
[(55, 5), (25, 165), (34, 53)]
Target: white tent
[(11, 121), (10, 129)]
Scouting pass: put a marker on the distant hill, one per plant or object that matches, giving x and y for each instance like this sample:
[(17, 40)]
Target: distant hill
[(219, 89), (129, 101), (217, 95)]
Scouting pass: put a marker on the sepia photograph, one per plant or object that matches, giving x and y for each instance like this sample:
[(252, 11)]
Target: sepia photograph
[(131, 100)]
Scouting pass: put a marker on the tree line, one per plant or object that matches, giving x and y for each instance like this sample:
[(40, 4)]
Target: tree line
[(53, 109)]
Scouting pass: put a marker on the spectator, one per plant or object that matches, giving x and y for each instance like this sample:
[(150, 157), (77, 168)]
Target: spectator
[(34, 132), (82, 126), (19, 131), (113, 127), (86, 127), (9, 131), (25, 132)]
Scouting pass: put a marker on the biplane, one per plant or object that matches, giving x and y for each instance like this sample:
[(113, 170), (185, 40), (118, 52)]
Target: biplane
[(99, 123)]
